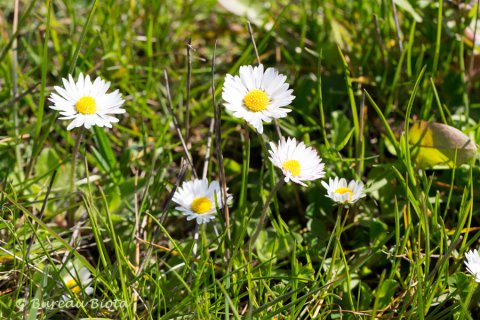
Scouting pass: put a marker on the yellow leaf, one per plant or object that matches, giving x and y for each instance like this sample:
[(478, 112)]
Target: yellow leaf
[(464, 230), (435, 145)]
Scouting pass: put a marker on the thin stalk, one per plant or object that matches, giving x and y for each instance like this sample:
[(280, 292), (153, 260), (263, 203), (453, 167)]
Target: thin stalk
[(439, 104), (136, 235), (189, 82), (253, 42), (347, 273), (439, 37), (166, 207), (320, 100), (245, 168), (217, 116), (194, 254), (472, 58), (18, 154), (195, 244), (397, 27), (209, 148), (73, 178), (353, 104), (40, 214), (360, 153), (465, 98), (181, 175), (263, 215), (338, 233), (217, 234), (340, 230), (177, 127)]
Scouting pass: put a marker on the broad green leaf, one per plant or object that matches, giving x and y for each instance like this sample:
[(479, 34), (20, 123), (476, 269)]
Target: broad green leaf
[(435, 145), (378, 230), (385, 292), (271, 245), (46, 162), (105, 155), (459, 285), (342, 130), (365, 296)]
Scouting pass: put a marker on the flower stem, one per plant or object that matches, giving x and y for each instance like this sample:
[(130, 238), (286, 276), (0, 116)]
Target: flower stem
[(194, 254), (336, 243), (71, 212), (263, 215)]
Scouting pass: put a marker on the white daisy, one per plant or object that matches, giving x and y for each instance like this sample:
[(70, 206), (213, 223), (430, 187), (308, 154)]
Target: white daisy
[(76, 280), (87, 103), (339, 191), (473, 263), (196, 199), (298, 162), (257, 96)]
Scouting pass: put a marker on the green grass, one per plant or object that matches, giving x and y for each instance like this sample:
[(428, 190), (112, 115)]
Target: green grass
[(398, 253)]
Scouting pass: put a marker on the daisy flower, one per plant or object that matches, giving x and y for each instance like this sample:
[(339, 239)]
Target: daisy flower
[(473, 263), (196, 199), (257, 96), (75, 280), (86, 103), (298, 162), (339, 191)]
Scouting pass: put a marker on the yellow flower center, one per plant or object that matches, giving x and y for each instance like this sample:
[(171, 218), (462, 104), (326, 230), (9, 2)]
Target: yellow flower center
[(343, 190), (72, 284), (293, 166), (256, 100), (201, 205), (86, 105)]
